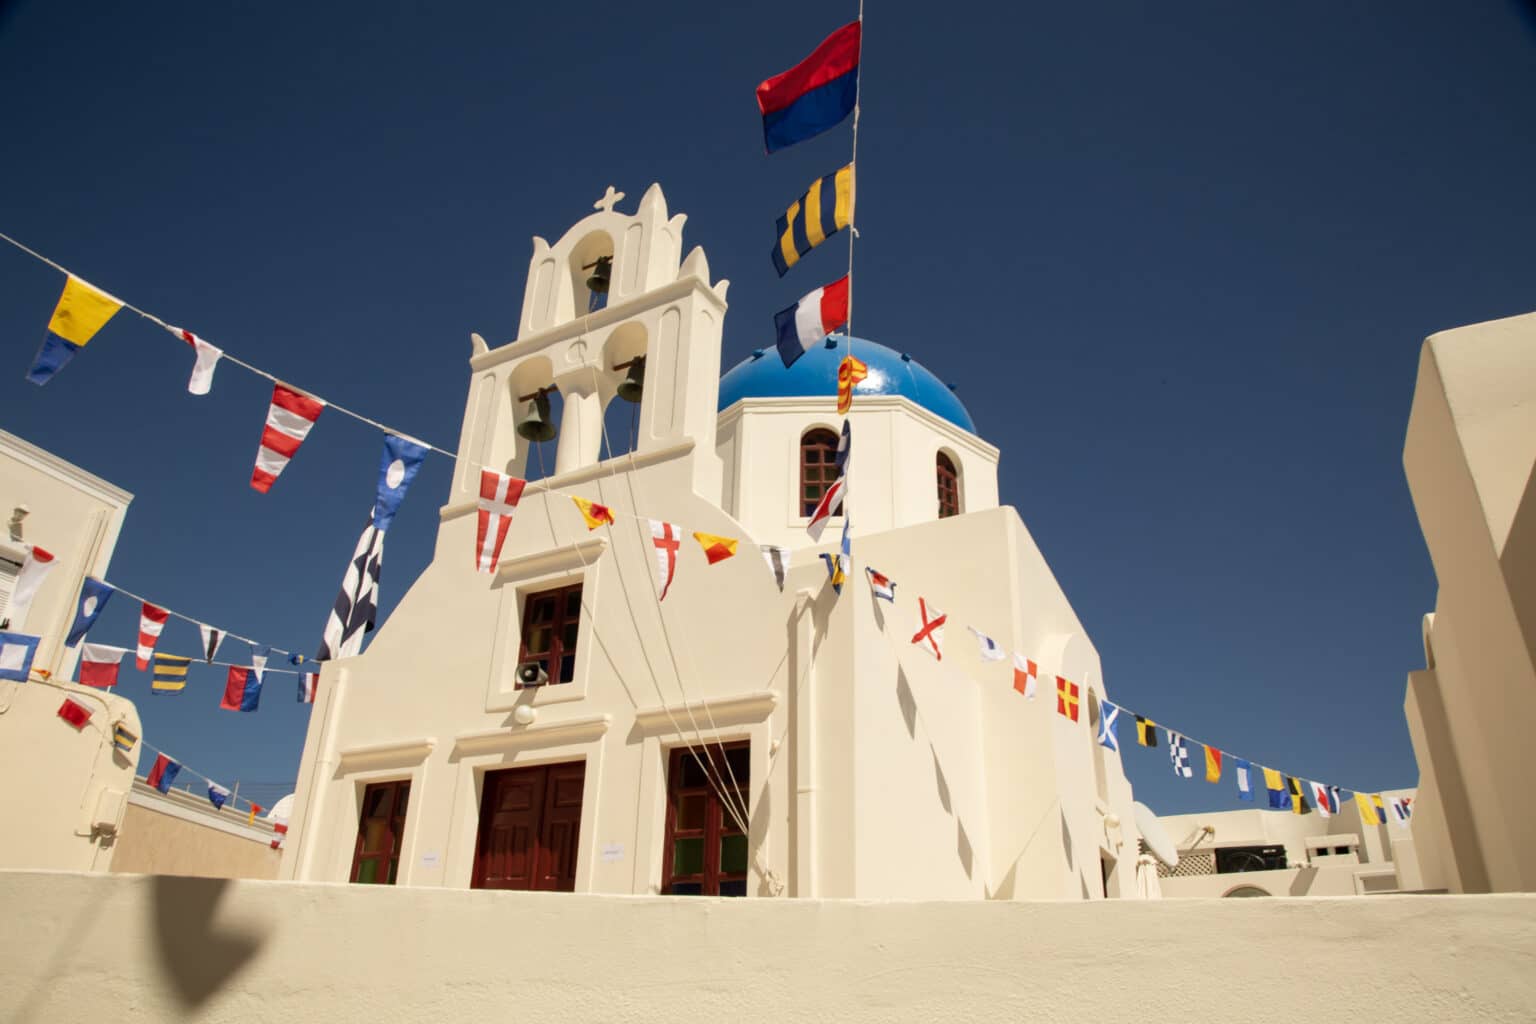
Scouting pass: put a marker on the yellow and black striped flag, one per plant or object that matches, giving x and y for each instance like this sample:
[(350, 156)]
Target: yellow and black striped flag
[(1146, 732), (1299, 803), (170, 673), (824, 210)]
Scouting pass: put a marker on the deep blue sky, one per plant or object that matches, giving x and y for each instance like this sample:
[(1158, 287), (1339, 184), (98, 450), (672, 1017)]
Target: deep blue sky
[(1178, 258)]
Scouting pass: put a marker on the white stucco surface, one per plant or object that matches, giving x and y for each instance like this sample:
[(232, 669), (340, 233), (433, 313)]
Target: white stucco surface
[(139, 948)]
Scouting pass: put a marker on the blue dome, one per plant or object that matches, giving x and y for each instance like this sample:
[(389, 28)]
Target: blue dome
[(762, 375)]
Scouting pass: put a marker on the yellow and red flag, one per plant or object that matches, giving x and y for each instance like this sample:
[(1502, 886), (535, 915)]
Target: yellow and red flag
[(1212, 764), (716, 549), (849, 372), (1067, 697), (596, 515)]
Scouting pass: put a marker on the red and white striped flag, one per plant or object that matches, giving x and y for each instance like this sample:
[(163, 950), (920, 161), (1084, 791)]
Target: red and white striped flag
[(208, 356), (666, 537), (28, 579), (289, 419), (151, 622), (499, 495)]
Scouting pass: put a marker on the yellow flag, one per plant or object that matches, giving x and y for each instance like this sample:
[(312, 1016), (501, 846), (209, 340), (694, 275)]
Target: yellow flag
[(849, 372), (595, 515), (716, 549), (1212, 764)]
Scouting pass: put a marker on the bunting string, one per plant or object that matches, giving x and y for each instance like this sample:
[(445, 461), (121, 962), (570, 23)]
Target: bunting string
[(196, 622)]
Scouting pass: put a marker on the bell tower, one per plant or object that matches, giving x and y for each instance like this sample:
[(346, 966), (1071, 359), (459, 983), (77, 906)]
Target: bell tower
[(656, 326)]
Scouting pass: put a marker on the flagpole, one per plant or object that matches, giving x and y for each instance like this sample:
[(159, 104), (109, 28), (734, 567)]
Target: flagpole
[(853, 231)]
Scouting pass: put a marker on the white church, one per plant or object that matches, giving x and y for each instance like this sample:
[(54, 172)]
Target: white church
[(555, 726)]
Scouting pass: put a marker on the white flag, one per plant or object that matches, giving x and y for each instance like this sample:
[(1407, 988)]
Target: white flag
[(33, 569), (208, 356)]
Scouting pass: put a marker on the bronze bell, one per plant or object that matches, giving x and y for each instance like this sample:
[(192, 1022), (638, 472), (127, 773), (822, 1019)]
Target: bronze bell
[(536, 426), (633, 384), (602, 272)]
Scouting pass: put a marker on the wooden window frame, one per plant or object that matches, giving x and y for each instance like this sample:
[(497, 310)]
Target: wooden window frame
[(717, 822), (557, 624), (817, 473), (387, 859), (948, 485)]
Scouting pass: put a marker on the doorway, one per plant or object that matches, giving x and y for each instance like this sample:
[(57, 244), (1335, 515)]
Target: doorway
[(530, 826)]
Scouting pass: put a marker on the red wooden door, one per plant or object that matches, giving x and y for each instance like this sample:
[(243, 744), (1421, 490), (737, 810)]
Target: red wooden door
[(530, 825)]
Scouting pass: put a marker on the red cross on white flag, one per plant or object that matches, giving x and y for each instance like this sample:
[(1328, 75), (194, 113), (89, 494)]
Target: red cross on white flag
[(930, 632)]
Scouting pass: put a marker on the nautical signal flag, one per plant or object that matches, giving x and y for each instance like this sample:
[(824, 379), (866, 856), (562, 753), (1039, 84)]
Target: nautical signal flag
[(151, 623), (832, 499), (1212, 764), (1279, 795), (1146, 732), (666, 538), (1067, 695), (99, 664), (289, 419), (1326, 798), (123, 738), (930, 629), (849, 372), (810, 320), (217, 794), (1299, 803), (356, 606), (716, 549), (308, 683), (35, 567), (1244, 772), (822, 211), (1026, 675), (989, 649), (206, 360), (398, 465), (815, 94), (881, 585), (242, 690), (1109, 720), (250, 819), (499, 495), (778, 562), (1372, 810), (212, 637), (163, 773), (82, 310), (839, 565), (93, 598), (76, 714), (170, 673), (1178, 756), (1402, 809), (16, 653), (594, 514)]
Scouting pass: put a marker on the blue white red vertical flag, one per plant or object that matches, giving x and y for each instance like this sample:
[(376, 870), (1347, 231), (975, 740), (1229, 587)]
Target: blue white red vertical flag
[(398, 466), (499, 495), (16, 653), (206, 359), (93, 598), (289, 419), (989, 649), (1026, 676), (1244, 772), (814, 95), (1109, 719), (810, 320), (881, 585), (217, 794), (308, 683), (1178, 754), (832, 501), (163, 773), (665, 538), (242, 690), (35, 567)]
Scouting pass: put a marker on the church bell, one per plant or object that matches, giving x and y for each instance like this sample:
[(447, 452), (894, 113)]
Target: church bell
[(536, 426), (633, 384), (602, 272)]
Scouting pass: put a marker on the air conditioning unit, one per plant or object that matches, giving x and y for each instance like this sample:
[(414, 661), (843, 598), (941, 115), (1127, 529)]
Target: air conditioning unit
[(531, 673)]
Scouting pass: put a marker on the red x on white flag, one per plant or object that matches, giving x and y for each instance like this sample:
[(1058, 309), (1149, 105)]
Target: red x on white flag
[(930, 632)]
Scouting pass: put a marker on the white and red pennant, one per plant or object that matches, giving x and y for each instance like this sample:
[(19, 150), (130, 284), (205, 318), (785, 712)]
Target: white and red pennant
[(499, 495), (289, 419)]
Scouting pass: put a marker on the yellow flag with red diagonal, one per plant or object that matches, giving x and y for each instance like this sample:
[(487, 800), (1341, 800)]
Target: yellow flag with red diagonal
[(596, 515), (716, 549), (849, 372)]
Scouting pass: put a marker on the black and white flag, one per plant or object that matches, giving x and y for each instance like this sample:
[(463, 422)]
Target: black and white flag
[(212, 637), (777, 559), (357, 605)]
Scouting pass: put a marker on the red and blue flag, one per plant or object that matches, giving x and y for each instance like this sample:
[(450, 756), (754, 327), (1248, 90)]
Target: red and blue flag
[(815, 94), (242, 690)]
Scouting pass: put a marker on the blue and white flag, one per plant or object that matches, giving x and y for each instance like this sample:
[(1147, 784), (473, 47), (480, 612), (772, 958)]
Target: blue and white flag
[(1244, 780), (881, 585), (1178, 753), (308, 681), (217, 794), (397, 468), (1109, 719), (93, 598), (259, 655), (16, 653), (989, 649), (834, 499)]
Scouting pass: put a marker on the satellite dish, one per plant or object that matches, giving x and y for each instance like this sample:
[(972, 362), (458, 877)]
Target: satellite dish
[(1152, 833)]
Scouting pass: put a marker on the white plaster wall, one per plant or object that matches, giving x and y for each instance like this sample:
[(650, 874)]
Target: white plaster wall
[(56, 782), (134, 949), (76, 517)]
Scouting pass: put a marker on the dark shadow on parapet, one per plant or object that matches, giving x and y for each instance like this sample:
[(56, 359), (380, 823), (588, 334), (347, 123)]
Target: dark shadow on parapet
[(1066, 842), (906, 703), (941, 782), (1518, 563), (44, 982), (963, 848), (1302, 883), (196, 957)]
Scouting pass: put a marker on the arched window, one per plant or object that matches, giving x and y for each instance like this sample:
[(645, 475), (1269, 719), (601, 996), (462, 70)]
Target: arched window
[(949, 487), (818, 467)]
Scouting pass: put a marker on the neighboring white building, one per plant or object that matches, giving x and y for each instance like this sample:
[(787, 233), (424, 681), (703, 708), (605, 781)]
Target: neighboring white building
[(867, 769)]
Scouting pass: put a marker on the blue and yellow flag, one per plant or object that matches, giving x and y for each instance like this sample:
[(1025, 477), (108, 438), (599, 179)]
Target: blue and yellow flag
[(81, 312), (824, 210), (170, 673)]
